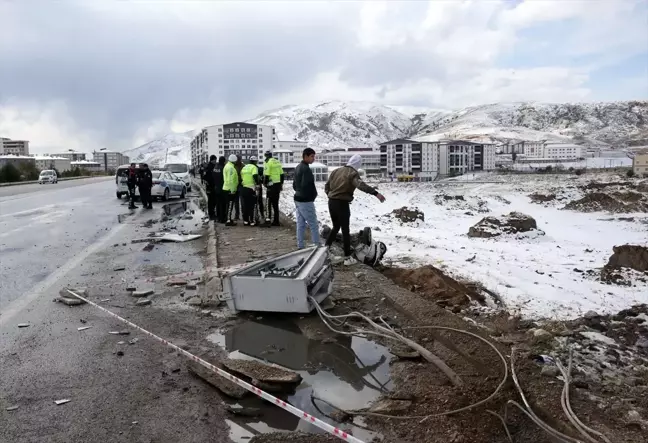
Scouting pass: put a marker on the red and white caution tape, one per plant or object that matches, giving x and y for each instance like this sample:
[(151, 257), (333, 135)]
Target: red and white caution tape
[(343, 435)]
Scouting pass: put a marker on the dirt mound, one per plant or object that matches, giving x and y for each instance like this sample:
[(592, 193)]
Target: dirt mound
[(439, 199), (628, 196), (511, 223), (629, 256), (541, 198), (408, 215), (460, 202), (598, 185), (600, 201), (642, 186), (433, 284)]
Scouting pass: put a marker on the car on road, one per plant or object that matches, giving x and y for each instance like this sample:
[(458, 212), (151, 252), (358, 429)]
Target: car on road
[(181, 170), (166, 185), (47, 176), (121, 180)]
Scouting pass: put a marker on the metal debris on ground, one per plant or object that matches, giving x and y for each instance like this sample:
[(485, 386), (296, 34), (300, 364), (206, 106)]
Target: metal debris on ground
[(62, 402), (133, 341), (11, 408), (289, 271), (143, 302), (23, 325), (144, 293), (119, 268), (121, 342), (83, 328)]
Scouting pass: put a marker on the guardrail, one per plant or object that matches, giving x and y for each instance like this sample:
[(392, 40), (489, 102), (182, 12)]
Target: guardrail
[(31, 182)]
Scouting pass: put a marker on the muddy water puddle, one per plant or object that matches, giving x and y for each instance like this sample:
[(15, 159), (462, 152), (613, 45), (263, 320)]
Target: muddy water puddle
[(348, 372)]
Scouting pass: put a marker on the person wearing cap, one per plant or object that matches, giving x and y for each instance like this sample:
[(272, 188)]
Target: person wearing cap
[(273, 178), (249, 182), (230, 186), (339, 188), (305, 195)]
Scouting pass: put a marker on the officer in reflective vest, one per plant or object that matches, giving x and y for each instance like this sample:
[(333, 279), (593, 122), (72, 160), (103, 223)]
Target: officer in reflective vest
[(249, 182), (273, 178), (230, 185)]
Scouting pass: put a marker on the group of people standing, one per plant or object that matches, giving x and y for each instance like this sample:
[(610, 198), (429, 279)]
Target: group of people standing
[(339, 189), (234, 189), (141, 178)]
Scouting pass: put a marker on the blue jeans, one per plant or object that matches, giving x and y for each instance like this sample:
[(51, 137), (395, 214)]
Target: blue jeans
[(306, 214)]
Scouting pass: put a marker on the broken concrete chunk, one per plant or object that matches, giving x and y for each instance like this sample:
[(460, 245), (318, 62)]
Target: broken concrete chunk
[(389, 406), (70, 301), (62, 402), (144, 293), (143, 302), (261, 371), (83, 328), (243, 411), (177, 282), (11, 408), (541, 336), (119, 268), (23, 325), (83, 292), (131, 288), (194, 301), (191, 286), (222, 384)]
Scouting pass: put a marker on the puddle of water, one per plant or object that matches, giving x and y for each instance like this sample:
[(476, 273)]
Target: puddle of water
[(182, 216), (350, 373)]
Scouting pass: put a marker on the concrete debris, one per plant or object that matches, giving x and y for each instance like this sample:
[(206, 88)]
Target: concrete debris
[(131, 288), (145, 293), (105, 300), (541, 336), (119, 332), (408, 215), (83, 328), (243, 411), (194, 301), (11, 408), (23, 325), (512, 223), (550, 371), (205, 312), (222, 384), (261, 371), (143, 302), (119, 268), (70, 301), (177, 282), (133, 341), (191, 286), (389, 406), (121, 342), (62, 402)]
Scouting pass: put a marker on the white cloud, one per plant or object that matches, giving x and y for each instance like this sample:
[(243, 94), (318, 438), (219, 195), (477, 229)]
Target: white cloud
[(191, 64)]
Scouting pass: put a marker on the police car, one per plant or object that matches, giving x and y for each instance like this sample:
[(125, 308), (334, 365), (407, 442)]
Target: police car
[(166, 184)]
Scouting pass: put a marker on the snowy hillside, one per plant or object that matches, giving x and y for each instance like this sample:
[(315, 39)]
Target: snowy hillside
[(175, 145), (610, 123), (337, 124)]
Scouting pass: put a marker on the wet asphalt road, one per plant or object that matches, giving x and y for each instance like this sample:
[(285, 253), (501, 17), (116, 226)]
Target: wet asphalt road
[(44, 227)]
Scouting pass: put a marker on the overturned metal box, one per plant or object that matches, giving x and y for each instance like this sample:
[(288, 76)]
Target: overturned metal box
[(282, 283)]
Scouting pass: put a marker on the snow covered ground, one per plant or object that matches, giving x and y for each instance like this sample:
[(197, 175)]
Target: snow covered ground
[(537, 276)]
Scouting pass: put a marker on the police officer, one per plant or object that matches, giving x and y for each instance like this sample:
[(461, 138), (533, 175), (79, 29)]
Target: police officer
[(210, 187), (273, 178), (131, 182), (249, 181), (230, 186), (145, 183)]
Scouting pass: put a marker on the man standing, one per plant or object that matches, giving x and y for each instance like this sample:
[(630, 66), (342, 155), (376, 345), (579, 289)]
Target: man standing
[(249, 182), (145, 182), (339, 188), (131, 182), (273, 177), (305, 195), (220, 196), (210, 187), (230, 186)]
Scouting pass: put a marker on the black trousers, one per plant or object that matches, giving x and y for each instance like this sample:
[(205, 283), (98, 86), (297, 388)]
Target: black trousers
[(220, 199), (248, 200), (211, 204), (131, 195), (231, 203), (340, 212), (274, 192), (260, 205), (145, 196), (238, 202)]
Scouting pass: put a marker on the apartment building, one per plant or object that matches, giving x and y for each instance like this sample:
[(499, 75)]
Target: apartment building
[(370, 159), (109, 160), (16, 160), (14, 147), (70, 154), (61, 164), (640, 163), (562, 151), (239, 138), (86, 165), (296, 146), (286, 156)]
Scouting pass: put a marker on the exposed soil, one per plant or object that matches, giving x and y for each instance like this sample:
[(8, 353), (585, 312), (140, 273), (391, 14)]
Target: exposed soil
[(629, 256), (602, 185), (600, 201), (511, 223), (542, 198), (408, 215)]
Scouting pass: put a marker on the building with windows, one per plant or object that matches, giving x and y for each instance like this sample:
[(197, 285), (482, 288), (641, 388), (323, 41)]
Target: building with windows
[(239, 138), (320, 171), (370, 159), (70, 154), (46, 162), (640, 163), (296, 146), (14, 147), (86, 165), (16, 160), (109, 160), (562, 151), (286, 156)]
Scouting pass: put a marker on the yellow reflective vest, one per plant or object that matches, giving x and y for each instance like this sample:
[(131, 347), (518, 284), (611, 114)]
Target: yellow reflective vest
[(247, 175), (230, 178), (273, 170)]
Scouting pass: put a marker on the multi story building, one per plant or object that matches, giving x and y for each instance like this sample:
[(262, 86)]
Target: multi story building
[(16, 160), (14, 147), (562, 151), (296, 146), (370, 159), (640, 163), (533, 149), (286, 156), (86, 165), (109, 160), (70, 154), (61, 164), (239, 138)]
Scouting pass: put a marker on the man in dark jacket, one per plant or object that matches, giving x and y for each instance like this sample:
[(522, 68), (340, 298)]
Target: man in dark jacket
[(220, 197), (339, 188), (210, 187), (305, 195), (131, 182), (145, 183)]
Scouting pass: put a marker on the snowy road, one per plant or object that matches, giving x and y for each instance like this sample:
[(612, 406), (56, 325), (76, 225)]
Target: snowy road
[(44, 229)]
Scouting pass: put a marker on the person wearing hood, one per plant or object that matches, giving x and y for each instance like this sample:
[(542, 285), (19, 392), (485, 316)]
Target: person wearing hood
[(273, 178), (230, 188), (339, 188), (249, 182)]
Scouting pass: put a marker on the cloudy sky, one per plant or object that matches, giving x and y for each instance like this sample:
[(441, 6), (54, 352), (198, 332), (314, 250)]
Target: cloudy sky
[(87, 74)]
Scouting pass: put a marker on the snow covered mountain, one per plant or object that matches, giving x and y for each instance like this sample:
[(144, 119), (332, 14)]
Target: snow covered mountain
[(339, 124), (172, 148)]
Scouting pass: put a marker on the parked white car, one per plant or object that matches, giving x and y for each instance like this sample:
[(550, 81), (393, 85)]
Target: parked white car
[(166, 185), (121, 181), (180, 170), (47, 176)]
